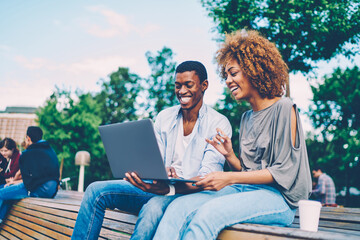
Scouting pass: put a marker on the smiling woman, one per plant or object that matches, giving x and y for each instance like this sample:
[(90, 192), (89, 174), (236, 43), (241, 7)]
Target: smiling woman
[(10, 152)]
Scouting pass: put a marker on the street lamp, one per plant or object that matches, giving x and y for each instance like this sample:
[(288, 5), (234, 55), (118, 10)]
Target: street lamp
[(82, 158)]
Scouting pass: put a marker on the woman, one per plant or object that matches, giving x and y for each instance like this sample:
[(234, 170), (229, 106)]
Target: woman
[(9, 150), (272, 172)]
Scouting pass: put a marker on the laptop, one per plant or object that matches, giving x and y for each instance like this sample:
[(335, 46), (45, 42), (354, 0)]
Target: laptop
[(132, 147)]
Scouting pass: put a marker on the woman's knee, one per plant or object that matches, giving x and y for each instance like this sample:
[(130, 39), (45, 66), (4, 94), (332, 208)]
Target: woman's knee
[(154, 206)]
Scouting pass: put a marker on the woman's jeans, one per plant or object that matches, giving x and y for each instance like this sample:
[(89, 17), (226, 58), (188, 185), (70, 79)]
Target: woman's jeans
[(203, 215), (18, 191)]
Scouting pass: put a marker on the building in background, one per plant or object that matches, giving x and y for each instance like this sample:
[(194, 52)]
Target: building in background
[(14, 122)]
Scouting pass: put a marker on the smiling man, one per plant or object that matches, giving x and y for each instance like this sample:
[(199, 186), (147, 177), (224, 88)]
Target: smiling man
[(181, 132)]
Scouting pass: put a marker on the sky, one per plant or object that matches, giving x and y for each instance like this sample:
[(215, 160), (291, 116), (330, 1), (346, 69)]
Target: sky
[(74, 44)]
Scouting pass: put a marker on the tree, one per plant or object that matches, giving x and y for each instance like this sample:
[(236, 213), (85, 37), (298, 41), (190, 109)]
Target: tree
[(118, 96), (336, 112), (160, 84), (71, 125), (304, 31)]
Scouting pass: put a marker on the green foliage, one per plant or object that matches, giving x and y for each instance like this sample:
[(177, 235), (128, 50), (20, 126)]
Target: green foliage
[(233, 110), (118, 95), (160, 84), (304, 31), (71, 126), (336, 112)]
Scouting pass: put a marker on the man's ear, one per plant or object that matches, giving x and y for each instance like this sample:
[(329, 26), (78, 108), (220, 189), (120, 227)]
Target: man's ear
[(204, 85), (28, 139)]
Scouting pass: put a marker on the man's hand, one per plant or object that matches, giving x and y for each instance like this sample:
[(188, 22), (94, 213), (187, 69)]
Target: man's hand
[(157, 187), (9, 181), (215, 181)]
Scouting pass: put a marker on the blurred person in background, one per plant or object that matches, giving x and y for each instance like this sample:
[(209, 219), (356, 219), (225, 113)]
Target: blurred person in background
[(39, 167), (9, 170), (324, 190)]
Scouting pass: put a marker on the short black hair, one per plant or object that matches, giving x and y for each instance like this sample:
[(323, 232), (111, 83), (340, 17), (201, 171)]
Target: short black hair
[(35, 133), (317, 167), (196, 66)]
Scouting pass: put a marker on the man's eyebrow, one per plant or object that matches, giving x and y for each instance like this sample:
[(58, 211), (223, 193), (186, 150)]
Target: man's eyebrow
[(187, 81)]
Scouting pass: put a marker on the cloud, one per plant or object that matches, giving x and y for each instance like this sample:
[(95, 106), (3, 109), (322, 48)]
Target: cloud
[(97, 31), (94, 66), (45, 74), (118, 24), (99, 66), (5, 47), (31, 64)]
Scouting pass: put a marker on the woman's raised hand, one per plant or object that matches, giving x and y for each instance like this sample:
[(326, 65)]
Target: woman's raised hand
[(221, 142)]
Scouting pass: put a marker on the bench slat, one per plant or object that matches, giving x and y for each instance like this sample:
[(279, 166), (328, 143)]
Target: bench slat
[(44, 223), (15, 229), (39, 202), (61, 213), (333, 224), (53, 218), (37, 231), (289, 233), (119, 226), (109, 234), (8, 235)]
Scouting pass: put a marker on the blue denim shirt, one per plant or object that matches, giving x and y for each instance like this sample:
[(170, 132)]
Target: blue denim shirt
[(200, 158)]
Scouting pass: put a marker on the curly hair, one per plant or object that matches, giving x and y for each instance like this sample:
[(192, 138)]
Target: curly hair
[(259, 60)]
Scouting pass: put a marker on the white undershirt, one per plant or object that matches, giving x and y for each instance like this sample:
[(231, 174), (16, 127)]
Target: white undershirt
[(181, 144)]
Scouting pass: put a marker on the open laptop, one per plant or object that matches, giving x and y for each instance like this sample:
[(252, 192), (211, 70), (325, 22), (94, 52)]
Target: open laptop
[(132, 147)]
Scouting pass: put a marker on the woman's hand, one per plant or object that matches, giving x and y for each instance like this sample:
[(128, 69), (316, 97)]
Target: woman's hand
[(157, 187), (221, 142), (215, 181)]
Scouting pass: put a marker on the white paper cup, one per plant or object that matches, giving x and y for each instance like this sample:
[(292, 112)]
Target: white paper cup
[(309, 215)]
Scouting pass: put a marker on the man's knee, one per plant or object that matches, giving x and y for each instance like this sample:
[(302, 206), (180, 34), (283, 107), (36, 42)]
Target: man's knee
[(94, 190)]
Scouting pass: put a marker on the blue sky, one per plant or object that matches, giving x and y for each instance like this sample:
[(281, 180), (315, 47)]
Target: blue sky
[(73, 44)]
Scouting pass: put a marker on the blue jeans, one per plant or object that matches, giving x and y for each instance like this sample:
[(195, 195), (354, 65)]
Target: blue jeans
[(18, 191), (150, 216), (203, 215), (118, 194)]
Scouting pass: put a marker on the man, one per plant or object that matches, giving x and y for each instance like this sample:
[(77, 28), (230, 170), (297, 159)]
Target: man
[(39, 167), (325, 188), (181, 132)]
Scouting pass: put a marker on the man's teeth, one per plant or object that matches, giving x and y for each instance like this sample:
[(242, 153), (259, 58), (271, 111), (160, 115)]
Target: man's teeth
[(185, 99)]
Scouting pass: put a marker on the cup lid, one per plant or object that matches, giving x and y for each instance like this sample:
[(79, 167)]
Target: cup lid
[(309, 202)]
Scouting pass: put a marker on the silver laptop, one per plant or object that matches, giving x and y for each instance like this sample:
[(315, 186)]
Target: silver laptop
[(132, 147)]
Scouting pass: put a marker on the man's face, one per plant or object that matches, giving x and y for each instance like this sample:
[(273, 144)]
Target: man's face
[(317, 173), (188, 89)]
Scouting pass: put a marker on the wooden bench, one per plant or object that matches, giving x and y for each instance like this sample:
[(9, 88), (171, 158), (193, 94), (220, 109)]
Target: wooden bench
[(35, 218)]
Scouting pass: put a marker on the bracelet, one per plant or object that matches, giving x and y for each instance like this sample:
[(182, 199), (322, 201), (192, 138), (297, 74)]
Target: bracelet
[(172, 190)]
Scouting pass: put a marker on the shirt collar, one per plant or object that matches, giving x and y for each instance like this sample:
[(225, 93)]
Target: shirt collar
[(202, 113)]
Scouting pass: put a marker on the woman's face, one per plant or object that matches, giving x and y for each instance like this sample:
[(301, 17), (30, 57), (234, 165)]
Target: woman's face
[(6, 152), (238, 84)]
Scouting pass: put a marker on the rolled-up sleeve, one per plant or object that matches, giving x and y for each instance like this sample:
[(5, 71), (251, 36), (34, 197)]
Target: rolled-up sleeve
[(213, 160)]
